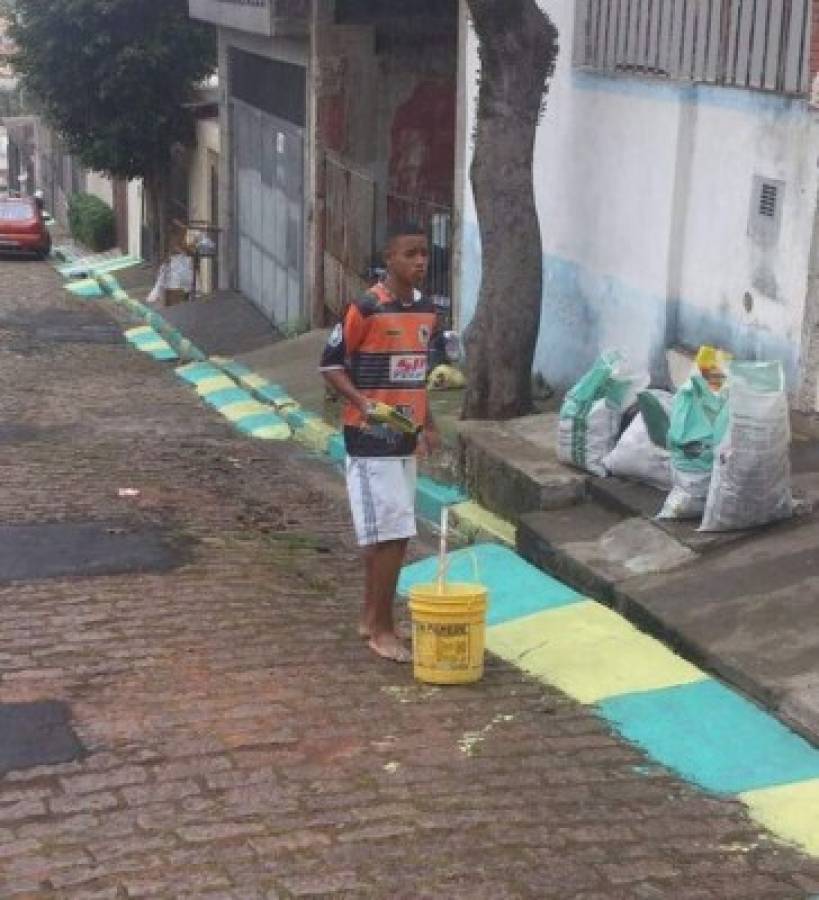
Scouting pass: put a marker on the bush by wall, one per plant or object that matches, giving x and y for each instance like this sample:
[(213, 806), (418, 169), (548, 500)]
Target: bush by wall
[(92, 222)]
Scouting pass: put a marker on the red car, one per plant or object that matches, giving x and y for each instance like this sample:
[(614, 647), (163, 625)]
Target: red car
[(23, 227)]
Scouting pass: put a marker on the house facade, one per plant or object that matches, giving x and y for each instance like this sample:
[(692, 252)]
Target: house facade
[(336, 117), (675, 168), (676, 182)]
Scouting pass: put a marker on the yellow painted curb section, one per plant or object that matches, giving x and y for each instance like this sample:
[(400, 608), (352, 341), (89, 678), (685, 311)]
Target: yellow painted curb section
[(315, 435), (273, 432), (213, 384), (791, 812), (235, 411), (253, 382), (473, 520), (590, 653)]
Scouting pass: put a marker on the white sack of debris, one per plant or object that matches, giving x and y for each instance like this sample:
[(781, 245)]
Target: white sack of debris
[(751, 480)]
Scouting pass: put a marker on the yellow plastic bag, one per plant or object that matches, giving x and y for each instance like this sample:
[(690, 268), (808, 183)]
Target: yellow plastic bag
[(713, 364)]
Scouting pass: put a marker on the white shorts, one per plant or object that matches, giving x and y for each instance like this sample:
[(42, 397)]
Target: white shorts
[(382, 498)]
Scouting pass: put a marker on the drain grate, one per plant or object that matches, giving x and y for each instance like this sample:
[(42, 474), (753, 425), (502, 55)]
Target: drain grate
[(36, 734), (61, 326), (36, 552), (79, 334)]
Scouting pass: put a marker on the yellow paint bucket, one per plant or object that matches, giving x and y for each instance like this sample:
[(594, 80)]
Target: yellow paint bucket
[(448, 632)]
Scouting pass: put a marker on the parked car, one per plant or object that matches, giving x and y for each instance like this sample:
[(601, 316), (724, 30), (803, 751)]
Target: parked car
[(23, 227)]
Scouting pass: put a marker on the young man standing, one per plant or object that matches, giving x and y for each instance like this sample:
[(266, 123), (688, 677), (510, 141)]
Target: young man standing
[(377, 360)]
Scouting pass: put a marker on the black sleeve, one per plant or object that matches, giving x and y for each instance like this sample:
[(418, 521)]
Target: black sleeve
[(335, 351)]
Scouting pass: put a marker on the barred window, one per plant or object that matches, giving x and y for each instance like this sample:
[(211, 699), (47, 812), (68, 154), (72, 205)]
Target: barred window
[(760, 44)]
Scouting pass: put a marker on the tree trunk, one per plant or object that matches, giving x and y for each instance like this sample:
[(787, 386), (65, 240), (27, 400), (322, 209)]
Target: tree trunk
[(518, 48), (156, 188)]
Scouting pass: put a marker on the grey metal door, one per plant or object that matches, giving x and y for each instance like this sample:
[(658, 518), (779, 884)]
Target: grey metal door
[(269, 160)]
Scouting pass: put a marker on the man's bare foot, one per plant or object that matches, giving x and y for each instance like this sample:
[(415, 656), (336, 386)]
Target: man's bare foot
[(402, 633), (387, 646)]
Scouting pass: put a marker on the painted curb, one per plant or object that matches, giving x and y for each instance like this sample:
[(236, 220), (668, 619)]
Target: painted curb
[(477, 523), (308, 429), (677, 714)]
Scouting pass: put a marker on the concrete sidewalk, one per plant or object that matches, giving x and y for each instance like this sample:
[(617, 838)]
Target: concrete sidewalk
[(739, 605)]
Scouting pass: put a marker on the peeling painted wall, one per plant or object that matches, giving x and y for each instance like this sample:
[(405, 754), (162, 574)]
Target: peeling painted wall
[(385, 94), (422, 141), (644, 190)]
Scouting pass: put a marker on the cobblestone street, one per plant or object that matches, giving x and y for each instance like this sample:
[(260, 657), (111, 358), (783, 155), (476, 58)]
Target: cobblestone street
[(240, 740)]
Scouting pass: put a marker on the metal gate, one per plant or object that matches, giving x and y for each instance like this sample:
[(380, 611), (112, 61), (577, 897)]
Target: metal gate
[(269, 179)]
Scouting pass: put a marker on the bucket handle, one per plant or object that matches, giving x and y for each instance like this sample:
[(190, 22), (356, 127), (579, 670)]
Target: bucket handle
[(464, 551)]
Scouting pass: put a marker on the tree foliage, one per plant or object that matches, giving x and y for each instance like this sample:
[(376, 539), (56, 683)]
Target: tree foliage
[(114, 76), (517, 45)]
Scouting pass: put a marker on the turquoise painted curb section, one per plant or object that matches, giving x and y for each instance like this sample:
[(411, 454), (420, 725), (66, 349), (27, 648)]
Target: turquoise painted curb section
[(516, 589), (432, 496), (142, 338), (90, 266), (336, 448), (165, 355), (275, 394), (87, 288), (196, 373), (226, 397), (297, 418), (713, 737), (233, 368)]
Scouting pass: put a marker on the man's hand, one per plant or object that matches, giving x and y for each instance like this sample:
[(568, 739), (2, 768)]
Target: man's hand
[(384, 414)]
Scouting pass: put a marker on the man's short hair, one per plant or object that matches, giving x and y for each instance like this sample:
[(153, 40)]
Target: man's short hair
[(404, 229)]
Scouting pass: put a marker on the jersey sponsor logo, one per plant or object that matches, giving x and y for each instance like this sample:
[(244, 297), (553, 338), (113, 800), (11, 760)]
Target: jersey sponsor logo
[(336, 336), (409, 369)]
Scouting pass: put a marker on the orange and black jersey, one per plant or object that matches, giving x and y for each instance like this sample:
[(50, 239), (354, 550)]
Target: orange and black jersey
[(383, 345)]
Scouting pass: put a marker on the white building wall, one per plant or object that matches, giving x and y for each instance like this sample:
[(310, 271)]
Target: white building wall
[(135, 217), (100, 186), (4, 158), (644, 191), (206, 149)]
